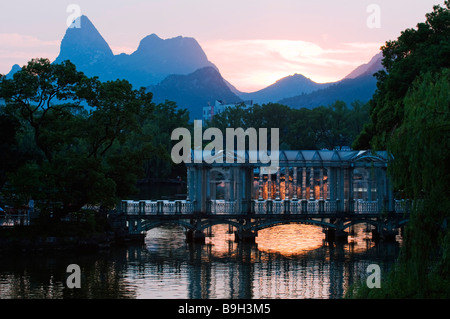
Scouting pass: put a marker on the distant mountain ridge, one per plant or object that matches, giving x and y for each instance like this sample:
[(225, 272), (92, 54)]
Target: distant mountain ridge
[(178, 69), (360, 85), (373, 66), (286, 87), (360, 88), (154, 59), (84, 45)]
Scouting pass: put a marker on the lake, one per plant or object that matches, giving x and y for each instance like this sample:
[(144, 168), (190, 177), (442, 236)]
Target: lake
[(288, 261)]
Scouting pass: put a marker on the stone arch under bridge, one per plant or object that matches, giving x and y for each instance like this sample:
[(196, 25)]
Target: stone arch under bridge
[(247, 229)]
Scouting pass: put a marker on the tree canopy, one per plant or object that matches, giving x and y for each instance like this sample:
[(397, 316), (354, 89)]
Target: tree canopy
[(324, 127), (410, 117), (413, 53), (77, 141)]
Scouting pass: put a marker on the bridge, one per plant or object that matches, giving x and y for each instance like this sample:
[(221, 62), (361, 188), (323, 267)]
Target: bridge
[(331, 189)]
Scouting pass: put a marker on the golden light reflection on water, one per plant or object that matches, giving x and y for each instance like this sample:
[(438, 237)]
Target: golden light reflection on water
[(291, 239), (287, 240), (291, 261)]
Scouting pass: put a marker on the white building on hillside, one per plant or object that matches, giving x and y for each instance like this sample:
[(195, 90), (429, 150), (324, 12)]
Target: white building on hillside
[(220, 106)]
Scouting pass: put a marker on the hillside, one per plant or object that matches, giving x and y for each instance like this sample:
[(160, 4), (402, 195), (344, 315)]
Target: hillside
[(194, 90)]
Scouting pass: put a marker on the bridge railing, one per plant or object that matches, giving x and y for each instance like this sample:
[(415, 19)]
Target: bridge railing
[(402, 206), (366, 207), (219, 207), (293, 206), (260, 207), (159, 207), (14, 220)]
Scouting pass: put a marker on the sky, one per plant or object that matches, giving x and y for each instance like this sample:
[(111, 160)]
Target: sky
[(252, 42)]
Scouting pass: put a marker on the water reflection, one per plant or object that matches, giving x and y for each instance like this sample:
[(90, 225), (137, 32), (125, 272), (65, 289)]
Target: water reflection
[(290, 261)]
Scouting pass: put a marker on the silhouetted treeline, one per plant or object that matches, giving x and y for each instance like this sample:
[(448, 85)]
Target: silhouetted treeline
[(324, 127)]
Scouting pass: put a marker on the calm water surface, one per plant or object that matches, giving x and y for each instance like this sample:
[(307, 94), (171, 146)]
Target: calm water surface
[(288, 261)]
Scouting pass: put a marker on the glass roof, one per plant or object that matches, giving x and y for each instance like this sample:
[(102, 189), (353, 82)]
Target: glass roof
[(292, 157)]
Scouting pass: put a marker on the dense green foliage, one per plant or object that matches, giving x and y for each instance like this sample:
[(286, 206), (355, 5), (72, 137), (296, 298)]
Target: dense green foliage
[(71, 141), (165, 118), (410, 115), (416, 51), (324, 127)]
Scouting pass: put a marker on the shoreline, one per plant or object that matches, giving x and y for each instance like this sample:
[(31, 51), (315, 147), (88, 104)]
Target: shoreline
[(42, 243)]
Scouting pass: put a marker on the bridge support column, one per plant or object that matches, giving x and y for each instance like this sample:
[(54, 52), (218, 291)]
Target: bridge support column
[(134, 226), (195, 236), (341, 236), (245, 235), (334, 235), (389, 235), (337, 234), (386, 234)]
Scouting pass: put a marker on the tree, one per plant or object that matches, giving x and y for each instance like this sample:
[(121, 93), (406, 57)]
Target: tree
[(302, 131), (81, 132), (422, 152), (321, 127), (357, 118), (11, 157), (165, 118), (271, 115), (235, 116), (410, 117), (415, 52), (420, 171)]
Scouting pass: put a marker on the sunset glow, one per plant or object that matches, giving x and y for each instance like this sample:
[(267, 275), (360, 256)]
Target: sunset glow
[(251, 65), (253, 44)]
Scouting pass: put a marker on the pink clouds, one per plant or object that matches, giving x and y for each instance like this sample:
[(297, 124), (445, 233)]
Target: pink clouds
[(19, 49), (251, 65), (252, 42)]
